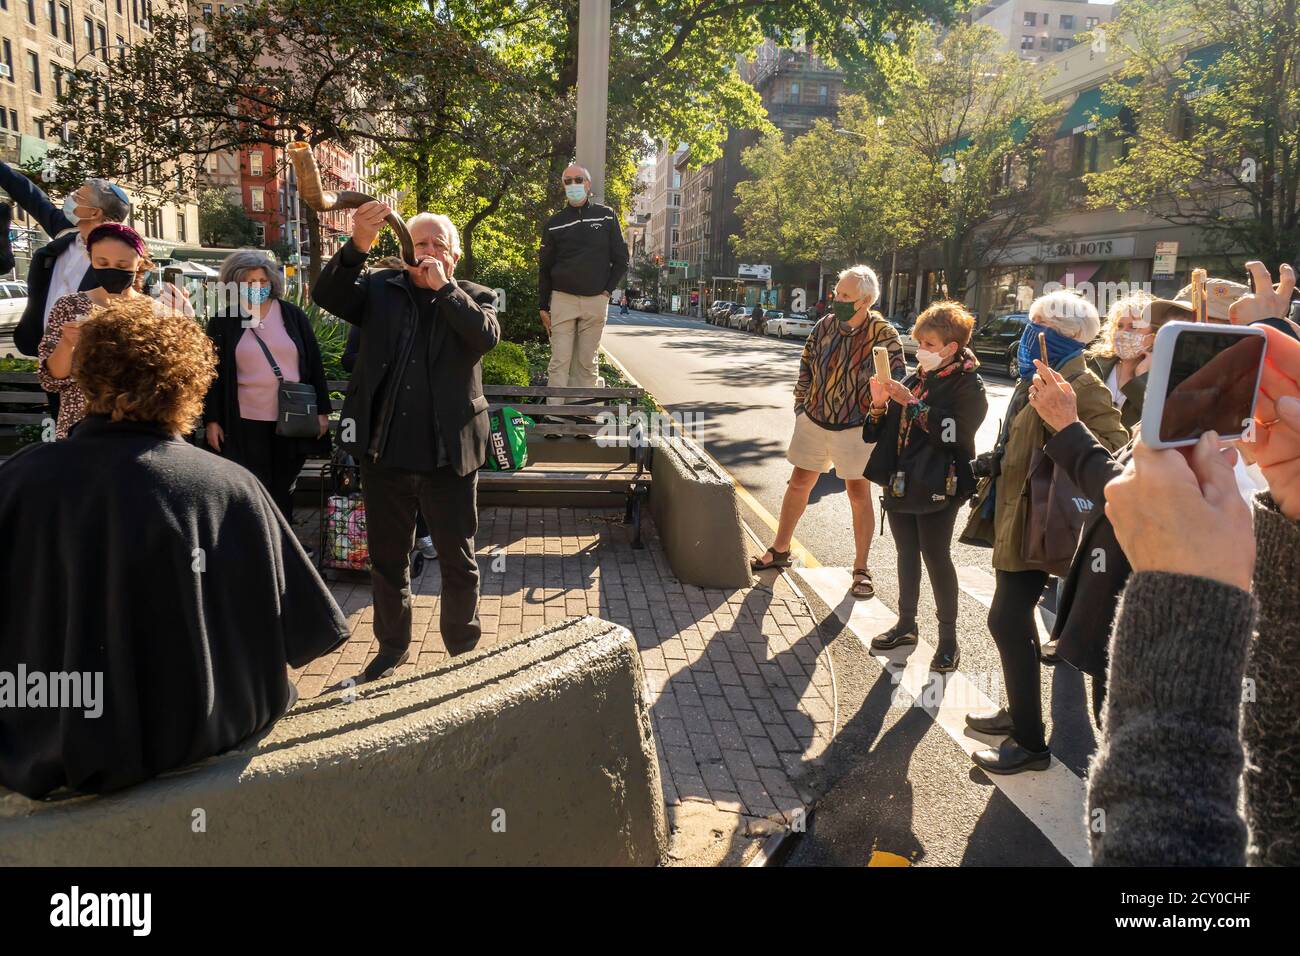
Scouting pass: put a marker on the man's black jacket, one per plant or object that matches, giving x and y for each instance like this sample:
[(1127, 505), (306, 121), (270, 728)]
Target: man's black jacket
[(583, 253), (383, 304), (30, 328)]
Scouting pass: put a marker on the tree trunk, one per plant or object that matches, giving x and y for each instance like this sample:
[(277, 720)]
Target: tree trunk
[(313, 242)]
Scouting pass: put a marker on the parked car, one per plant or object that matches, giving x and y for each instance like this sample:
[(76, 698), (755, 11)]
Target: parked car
[(716, 308), (997, 342), (796, 325), (734, 316), (13, 302), (740, 317), (904, 329)]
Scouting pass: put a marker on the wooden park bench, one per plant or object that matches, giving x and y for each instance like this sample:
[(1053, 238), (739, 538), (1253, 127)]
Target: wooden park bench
[(627, 479)]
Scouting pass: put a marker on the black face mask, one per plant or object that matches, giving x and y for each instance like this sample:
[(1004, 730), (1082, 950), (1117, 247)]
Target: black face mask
[(113, 280)]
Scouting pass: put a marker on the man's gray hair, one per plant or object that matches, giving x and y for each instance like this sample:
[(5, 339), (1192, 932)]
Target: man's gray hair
[(236, 267), (105, 196), (438, 218), (1067, 312), (863, 279)]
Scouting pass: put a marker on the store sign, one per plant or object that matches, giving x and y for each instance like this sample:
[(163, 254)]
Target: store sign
[(1107, 247), (747, 271), (1166, 260)]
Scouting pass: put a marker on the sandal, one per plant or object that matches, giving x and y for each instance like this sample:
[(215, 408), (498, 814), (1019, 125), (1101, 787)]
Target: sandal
[(862, 586), (780, 559)]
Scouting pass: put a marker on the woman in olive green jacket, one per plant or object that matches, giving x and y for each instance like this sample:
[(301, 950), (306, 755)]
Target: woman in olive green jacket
[(1069, 324)]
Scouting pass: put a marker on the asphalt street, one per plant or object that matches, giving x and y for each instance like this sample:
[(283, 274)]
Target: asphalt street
[(896, 780)]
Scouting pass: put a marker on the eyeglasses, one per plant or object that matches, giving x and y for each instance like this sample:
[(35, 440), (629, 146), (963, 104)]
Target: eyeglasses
[(574, 180)]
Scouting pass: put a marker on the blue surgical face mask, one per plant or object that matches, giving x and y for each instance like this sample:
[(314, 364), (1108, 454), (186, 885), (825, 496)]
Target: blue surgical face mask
[(257, 294), (576, 192)]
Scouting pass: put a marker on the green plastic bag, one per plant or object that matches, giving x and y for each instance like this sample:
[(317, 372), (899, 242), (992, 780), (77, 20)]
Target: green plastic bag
[(508, 439)]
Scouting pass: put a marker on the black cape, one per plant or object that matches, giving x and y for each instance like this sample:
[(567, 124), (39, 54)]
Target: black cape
[(170, 572)]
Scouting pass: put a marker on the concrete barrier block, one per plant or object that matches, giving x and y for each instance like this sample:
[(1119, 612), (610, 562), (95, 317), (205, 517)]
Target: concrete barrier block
[(698, 518), (539, 751)]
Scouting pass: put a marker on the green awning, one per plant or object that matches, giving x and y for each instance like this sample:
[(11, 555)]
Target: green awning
[(1089, 110), (1203, 76), (1019, 130), (952, 149)]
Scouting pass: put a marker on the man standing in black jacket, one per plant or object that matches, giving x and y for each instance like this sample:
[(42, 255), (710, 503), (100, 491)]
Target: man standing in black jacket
[(583, 259), (416, 419)]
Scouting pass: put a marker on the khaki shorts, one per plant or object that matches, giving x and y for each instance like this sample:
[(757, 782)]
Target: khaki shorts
[(814, 448)]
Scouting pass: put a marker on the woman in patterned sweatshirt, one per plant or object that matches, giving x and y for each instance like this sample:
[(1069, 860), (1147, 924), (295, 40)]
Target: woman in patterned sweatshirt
[(831, 401)]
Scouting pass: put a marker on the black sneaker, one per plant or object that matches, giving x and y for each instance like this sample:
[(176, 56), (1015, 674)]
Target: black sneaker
[(900, 635), (994, 724), (383, 665)]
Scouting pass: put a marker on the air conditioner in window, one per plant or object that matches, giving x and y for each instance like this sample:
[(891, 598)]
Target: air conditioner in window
[(5, 71)]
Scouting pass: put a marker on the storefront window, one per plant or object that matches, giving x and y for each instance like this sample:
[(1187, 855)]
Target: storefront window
[(1005, 291)]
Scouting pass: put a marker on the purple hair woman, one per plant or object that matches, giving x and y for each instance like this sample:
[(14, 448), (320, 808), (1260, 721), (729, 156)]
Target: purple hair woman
[(117, 256)]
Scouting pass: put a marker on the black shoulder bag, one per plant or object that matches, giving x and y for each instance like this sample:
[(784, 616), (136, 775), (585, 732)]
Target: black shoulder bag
[(299, 415)]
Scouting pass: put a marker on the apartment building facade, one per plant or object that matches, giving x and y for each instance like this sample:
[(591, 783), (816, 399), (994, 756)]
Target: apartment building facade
[(797, 88), (41, 41), (1038, 29)]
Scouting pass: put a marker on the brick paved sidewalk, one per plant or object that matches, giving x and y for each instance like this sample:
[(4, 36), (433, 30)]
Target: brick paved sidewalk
[(740, 687)]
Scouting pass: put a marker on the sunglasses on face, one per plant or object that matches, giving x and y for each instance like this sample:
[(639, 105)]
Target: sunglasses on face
[(573, 180)]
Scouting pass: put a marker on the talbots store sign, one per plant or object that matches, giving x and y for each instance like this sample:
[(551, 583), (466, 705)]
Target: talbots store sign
[(1106, 247)]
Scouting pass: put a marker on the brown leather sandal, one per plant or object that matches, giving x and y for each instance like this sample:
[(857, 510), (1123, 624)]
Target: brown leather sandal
[(780, 559), (862, 585)]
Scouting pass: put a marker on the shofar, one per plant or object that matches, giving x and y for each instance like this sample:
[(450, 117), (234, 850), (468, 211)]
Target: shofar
[(323, 200)]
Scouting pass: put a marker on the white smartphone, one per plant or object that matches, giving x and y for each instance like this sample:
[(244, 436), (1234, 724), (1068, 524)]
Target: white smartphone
[(1203, 377)]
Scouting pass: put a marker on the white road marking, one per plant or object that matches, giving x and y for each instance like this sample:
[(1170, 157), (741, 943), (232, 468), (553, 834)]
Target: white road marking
[(1053, 799), (980, 585)]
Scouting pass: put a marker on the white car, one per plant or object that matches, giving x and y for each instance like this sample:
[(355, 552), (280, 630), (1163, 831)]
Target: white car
[(13, 302), (739, 317), (792, 326)]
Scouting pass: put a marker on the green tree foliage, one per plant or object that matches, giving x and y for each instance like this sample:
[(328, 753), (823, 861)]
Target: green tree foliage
[(945, 149), (1211, 120), (223, 222)]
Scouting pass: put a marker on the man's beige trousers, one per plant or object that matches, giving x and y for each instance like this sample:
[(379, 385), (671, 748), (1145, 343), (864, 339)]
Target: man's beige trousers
[(577, 322)]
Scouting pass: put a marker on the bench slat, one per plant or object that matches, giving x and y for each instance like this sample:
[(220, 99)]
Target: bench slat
[(18, 418), (30, 398)]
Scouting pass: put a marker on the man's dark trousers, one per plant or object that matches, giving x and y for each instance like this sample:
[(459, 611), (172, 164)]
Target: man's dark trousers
[(450, 505)]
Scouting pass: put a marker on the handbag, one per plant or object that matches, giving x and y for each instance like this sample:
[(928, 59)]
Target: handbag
[(924, 483), (1054, 517), (507, 439), (298, 414)]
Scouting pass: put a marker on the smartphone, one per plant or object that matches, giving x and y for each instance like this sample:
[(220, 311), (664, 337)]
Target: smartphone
[(1042, 347), (172, 275), (1203, 377), (1200, 304), (881, 355)]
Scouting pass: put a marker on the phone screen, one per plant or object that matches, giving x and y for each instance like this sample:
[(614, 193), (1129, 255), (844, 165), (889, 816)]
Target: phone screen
[(1212, 377)]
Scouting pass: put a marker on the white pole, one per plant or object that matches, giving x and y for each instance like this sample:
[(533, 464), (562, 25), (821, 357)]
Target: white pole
[(593, 90)]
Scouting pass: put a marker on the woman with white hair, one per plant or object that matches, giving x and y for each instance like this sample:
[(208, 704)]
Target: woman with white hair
[(1122, 355), (831, 401), (1068, 323), (242, 406)]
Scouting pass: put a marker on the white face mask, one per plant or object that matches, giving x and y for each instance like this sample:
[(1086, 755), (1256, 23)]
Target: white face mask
[(929, 360), (70, 209), (1129, 345)]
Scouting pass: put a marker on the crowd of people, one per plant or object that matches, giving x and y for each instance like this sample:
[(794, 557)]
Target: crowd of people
[(1178, 583), (1167, 600)]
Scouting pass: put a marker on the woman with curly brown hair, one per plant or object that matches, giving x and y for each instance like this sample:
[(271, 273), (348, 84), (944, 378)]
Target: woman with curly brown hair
[(162, 580)]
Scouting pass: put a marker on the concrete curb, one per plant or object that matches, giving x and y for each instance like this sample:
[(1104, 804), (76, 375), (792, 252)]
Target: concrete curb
[(540, 751)]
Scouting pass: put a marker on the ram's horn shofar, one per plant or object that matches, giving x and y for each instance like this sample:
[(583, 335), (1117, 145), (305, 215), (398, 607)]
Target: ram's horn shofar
[(323, 200)]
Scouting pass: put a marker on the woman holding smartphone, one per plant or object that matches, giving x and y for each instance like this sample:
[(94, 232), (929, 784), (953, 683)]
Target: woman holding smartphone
[(1067, 323), (923, 429)]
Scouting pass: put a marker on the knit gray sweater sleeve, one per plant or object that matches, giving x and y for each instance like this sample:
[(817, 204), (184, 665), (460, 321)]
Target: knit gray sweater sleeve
[(1163, 786), (1270, 718)]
